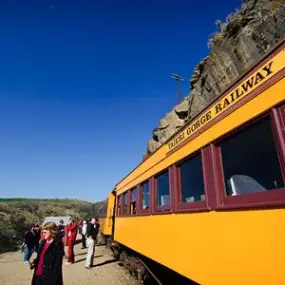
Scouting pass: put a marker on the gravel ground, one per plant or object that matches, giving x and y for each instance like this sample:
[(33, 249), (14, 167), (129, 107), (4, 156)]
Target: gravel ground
[(106, 271)]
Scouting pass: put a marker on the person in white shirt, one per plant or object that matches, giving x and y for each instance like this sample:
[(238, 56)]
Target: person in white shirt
[(83, 234)]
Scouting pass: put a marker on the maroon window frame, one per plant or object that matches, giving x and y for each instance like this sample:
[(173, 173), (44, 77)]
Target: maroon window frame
[(270, 198), (197, 206), (125, 210), (155, 207), (140, 209), (119, 206), (278, 115), (130, 201)]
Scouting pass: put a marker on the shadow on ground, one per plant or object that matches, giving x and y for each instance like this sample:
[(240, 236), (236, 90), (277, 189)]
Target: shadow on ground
[(105, 262), (83, 259)]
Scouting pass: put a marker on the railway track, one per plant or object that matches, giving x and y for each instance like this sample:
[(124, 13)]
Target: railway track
[(151, 272)]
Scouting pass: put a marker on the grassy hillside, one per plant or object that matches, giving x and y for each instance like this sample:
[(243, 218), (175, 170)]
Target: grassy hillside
[(17, 213)]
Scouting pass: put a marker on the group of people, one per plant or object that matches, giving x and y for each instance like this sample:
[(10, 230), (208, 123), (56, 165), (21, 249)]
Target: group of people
[(47, 265), (31, 241)]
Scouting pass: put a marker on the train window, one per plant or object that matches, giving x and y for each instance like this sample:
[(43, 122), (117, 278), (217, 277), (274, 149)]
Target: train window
[(133, 201), (162, 189), (250, 161), (191, 180), (145, 195), (125, 203), (119, 205)]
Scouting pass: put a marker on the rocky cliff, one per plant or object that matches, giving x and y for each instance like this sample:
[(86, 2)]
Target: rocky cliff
[(246, 36)]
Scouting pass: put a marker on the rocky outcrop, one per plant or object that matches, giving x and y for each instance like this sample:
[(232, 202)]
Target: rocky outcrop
[(246, 36), (168, 126)]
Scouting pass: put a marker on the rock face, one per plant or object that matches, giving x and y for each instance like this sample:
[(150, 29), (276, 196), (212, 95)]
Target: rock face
[(168, 126), (245, 38)]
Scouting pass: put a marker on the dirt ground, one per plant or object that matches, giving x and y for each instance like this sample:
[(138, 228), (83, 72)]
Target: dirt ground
[(106, 271)]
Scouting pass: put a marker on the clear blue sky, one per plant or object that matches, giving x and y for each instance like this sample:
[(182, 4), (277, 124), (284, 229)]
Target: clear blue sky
[(83, 84)]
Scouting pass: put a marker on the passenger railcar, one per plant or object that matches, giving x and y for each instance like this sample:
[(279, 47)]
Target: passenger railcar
[(107, 222), (209, 203)]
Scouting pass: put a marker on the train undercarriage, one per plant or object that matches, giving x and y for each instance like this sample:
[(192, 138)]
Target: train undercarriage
[(145, 270)]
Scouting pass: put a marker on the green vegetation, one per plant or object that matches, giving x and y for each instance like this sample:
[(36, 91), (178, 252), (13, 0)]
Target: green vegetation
[(7, 200), (16, 214), (251, 12)]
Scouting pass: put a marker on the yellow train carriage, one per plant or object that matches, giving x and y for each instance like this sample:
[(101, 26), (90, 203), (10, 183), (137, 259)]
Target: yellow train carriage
[(209, 204), (106, 223)]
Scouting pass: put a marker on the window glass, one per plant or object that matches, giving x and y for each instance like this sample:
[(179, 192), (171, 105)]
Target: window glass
[(134, 201), (103, 212), (192, 185), (119, 206), (125, 201), (145, 195), (250, 160), (162, 184)]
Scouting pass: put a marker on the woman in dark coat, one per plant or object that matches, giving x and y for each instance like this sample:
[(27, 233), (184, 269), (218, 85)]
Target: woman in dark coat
[(48, 264)]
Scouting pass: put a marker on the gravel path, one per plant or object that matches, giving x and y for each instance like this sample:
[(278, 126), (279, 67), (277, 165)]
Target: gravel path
[(106, 271)]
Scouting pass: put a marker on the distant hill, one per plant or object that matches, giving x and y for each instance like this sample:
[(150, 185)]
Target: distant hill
[(16, 214)]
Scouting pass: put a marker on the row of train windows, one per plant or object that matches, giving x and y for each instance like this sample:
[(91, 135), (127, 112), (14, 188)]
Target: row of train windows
[(249, 162)]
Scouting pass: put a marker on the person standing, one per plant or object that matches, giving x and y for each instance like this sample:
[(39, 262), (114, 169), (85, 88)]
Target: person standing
[(37, 235), (80, 224), (83, 234), (91, 237), (29, 244), (71, 238), (60, 230), (48, 263), (60, 233), (97, 227)]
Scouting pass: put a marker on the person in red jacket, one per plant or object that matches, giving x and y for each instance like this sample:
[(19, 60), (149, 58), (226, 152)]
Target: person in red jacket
[(71, 237)]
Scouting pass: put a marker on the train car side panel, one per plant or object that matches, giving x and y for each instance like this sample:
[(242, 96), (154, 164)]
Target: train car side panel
[(223, 236), (215, 248), (107, 222)]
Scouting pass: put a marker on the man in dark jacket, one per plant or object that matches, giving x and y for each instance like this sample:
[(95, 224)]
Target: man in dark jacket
[(60, 230), (29, 244), (97, 227), (91, 237), (37, 235)]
